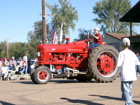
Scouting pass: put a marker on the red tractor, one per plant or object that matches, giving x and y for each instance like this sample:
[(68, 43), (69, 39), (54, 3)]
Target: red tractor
[(75, 60)]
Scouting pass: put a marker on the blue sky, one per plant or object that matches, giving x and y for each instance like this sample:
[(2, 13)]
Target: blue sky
[(18, 16)]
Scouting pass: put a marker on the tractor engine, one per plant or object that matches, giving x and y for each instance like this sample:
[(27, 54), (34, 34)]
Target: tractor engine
[(73, 55)]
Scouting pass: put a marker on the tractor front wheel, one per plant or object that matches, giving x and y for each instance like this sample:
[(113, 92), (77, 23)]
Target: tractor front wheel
[(41, 75)]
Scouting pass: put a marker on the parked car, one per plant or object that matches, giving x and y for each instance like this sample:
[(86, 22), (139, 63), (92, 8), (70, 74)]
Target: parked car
[(33, 63)]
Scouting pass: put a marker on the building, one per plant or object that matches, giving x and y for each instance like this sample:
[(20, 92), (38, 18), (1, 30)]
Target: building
[(133, 15), (114, 39)]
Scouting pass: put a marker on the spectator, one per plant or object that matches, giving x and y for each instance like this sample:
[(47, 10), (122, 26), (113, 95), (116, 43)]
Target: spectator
[(25, 60), (29, 65), (23, 68), (0, 74), (97, 38), (138, 55), (127, 60), (12, 64), (4, 71), (6, 62), (0, 63), (0, 70), (138, 66), (19, 65)]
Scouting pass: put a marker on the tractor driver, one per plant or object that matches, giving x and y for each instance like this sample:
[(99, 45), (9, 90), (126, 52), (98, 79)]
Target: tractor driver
[(97, 38)]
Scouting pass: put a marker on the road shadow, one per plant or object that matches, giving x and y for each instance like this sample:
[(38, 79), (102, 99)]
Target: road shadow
[(5, 103), (114, 98), (71, 81), (58, 81), (80, 101)]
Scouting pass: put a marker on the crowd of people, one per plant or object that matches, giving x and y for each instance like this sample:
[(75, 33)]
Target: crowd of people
[(20, 66)]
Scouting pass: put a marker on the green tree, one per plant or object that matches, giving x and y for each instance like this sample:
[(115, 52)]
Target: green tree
[(17, 49), (3, 49), (35, 36), (65, 14), (83, 34), (109, 12)]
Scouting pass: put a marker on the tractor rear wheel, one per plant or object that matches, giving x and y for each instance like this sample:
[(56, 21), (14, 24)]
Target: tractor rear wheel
[(102, 64), (41, 75)]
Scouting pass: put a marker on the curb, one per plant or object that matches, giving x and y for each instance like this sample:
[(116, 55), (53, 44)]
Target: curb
[(23, 77)]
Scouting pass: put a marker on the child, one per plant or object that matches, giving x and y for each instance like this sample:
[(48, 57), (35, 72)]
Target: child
[(127, 60)]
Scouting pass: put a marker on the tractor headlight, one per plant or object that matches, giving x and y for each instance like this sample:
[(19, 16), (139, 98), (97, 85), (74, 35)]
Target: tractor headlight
[(38, 54)]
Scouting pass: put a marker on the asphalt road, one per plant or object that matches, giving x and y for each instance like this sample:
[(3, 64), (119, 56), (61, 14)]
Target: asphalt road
[(64, 92)]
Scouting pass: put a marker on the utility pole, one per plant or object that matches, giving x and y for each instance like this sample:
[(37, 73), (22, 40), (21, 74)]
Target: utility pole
[(44, 22), (7, 48)]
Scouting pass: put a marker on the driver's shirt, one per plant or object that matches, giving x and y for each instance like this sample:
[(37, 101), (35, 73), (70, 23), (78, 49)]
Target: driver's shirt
[(98, 40)]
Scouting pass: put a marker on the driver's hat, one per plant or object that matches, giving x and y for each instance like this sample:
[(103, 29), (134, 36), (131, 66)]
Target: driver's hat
[(96, 29)]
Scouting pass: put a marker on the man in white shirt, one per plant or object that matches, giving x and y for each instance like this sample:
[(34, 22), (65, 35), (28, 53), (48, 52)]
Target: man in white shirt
[(25, 60), (127, 60)]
